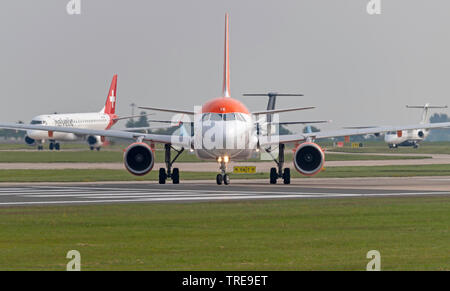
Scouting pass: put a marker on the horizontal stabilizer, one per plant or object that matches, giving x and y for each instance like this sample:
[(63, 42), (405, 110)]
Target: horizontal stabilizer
[(132, 116), (269, 94), (304, 122), (168, 110), (282, 110), (426, 106)]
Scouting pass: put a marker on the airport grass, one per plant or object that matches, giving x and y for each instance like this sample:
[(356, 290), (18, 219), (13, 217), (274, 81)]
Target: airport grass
[(117, 157), (382, 148), (94, 175), (411, 233)]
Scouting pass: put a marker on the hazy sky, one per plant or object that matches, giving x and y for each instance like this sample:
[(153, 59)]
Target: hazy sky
[(358, 69)]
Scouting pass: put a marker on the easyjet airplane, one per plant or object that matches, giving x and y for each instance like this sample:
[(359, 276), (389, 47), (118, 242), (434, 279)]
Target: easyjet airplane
[(224, 130), (103, 119)]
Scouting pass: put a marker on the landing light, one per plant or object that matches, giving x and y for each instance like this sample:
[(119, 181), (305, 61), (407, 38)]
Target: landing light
[(226, 159), (219, 159)]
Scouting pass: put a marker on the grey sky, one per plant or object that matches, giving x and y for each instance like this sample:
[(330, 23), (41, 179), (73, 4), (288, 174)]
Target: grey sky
[(356, 68)]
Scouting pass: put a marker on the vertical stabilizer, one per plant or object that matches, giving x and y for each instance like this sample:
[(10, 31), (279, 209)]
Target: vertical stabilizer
[(110, 105), (226, 64)]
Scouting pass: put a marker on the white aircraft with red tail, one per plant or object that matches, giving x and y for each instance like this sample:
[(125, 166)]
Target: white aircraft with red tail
[(103, 120), (224, 130)]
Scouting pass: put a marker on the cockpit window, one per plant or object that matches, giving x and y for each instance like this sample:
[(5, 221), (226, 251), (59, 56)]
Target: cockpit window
[(36, 122), (240, 117), (206, 116), (216, 116), (229, 116)]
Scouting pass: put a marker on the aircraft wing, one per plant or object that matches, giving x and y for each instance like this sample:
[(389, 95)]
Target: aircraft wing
[(291, 138), (184, 141)]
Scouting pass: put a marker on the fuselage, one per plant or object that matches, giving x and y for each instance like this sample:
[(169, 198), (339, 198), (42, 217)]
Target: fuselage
[(224, 128), (94, 120), (407, 137)]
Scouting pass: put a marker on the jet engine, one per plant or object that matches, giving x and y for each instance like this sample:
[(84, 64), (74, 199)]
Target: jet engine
[(29, 141), (94, 141), (420, 134), (309, 158), (139, 158)]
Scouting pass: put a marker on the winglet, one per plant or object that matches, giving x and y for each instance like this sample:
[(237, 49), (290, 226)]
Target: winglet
[(226, 64), (110, 105)]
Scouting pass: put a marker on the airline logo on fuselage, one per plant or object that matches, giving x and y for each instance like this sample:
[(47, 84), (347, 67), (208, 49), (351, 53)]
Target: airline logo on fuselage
[(64, 122)]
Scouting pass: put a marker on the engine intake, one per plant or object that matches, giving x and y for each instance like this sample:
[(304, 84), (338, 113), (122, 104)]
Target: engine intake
[(139, 159), (94, 140), (309, 158), (420, 134), (29, 141)]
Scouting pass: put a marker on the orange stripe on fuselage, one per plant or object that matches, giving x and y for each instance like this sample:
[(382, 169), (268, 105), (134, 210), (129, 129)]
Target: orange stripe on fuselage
[(224, 105)]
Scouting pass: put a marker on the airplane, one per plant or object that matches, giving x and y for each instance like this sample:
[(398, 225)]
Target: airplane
[(104, 119), (224, 130), (412, 137)]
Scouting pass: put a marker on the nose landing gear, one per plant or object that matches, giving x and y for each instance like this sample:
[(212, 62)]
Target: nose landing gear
[(223, 177)]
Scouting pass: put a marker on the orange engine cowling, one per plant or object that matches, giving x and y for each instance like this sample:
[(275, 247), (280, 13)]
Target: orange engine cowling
[(309, 158), (139, 158)]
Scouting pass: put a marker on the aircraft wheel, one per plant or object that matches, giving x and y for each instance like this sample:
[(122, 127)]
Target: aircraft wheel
[(287, 176), (226, 179), (273, 175), (162, 176), (57, 146), (51, 146), (40, 148), (176, 176), (92, 148), (219, 179), (98, 149)]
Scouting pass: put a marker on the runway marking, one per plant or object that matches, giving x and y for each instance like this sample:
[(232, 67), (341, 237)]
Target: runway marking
[(122, 194)]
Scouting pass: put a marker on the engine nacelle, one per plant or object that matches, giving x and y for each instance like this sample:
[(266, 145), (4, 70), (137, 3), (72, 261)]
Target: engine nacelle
[(139, 158), (94, 141), (29, 141), (420, 134), (309, 158)]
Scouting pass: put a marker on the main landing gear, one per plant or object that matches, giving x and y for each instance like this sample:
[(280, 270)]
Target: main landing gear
[(53, 146), (223, 177), (278, 172), (173, 174)]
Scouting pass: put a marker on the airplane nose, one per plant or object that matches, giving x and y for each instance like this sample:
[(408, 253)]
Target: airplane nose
[(234, 136)]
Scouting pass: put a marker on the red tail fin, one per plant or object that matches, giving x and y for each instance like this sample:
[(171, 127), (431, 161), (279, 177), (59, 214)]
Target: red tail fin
[(226, 63), (110, 105)]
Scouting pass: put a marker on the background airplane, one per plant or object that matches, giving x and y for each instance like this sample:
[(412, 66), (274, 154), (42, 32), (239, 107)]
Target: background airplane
[(234, 132), (103, 119), (411, 137)]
